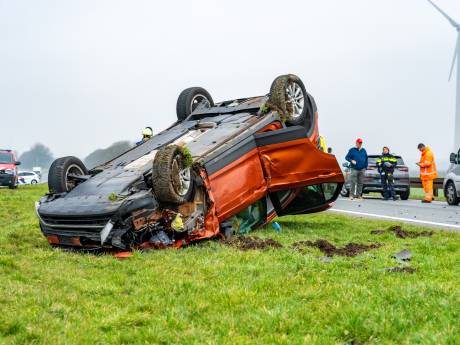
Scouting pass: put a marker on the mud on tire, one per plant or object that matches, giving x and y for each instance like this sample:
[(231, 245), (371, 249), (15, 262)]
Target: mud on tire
[(289, 97), (58, 175), (172, 182)]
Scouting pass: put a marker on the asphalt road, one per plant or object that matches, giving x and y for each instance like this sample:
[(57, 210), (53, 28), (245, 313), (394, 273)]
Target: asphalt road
[(437, 214)]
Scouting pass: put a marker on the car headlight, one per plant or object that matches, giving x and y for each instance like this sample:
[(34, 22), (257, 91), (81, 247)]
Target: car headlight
[(9, 171)]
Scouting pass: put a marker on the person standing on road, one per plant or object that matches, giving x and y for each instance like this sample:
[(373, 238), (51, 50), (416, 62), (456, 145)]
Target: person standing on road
[(428, 172), (357, 156), (386, 165)]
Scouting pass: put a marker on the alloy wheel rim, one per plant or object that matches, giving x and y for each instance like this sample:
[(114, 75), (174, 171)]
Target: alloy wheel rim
[(183, 182), (74, 170), (199, 99), (296, 98), (450, 193)]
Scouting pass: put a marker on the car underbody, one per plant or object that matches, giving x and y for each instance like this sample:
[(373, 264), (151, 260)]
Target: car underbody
[(225, 168)]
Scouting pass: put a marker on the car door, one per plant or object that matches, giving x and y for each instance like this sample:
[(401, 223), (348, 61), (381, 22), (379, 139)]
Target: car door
[(300, 178)]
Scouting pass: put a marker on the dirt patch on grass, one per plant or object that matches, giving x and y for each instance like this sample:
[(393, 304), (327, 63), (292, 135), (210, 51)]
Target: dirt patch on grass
[(400, 233), (248, 243), (350, 249)]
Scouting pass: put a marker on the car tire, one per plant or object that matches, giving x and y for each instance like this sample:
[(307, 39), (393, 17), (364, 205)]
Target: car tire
[(450, 192), (190, 99), (58, 175), (345, 192), (13, 185), (33, 182), (405, 195), (172, 182), (289, 97)]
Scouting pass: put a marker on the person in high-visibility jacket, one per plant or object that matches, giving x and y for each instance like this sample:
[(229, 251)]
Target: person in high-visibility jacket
[(386, 165), (428, 171), (322, 143)]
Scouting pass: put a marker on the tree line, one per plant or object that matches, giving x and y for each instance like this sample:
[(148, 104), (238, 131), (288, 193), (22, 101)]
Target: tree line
[(40, 155)]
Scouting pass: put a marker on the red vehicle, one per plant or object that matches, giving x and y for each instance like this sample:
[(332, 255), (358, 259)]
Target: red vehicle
[(8, 169)]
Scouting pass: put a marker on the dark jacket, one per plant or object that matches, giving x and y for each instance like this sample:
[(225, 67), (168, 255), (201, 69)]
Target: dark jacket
[(387, 163), (360, 156)]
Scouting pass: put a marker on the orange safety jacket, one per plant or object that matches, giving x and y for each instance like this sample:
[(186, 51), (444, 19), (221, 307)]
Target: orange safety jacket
[(427, 165)]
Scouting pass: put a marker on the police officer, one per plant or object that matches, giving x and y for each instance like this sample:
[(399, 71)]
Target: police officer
[(386, 164)]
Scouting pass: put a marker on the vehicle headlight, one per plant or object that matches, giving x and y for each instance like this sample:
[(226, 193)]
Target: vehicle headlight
[(9, 171)]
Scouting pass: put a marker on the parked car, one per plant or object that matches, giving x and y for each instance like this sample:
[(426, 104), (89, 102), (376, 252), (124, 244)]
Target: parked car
[(239, 161), (451, 183), (8, 169), (28, 177), (373, 183)]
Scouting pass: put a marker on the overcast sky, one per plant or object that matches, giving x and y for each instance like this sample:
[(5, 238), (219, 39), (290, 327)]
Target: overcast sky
[(79, 75)]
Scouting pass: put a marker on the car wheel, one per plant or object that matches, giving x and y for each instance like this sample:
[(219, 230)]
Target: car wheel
[(33, 182), (59, 175), (190, 99), (172, 180), (345, 192), (288, 96), (450, 193), (405, 195)]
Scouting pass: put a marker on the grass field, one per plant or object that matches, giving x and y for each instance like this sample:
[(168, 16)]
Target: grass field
[(214, 294)]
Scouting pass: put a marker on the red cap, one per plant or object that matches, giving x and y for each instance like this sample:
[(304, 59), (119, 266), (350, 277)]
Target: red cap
[(359, 141)]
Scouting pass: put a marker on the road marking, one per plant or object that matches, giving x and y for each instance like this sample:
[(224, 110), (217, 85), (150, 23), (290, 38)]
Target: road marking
[(396, 218)]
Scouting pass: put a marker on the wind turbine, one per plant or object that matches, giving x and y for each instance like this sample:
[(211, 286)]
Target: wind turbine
[(455, 58)]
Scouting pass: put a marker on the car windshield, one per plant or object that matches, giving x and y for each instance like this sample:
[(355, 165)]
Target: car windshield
[(6, 158), (373, 160)]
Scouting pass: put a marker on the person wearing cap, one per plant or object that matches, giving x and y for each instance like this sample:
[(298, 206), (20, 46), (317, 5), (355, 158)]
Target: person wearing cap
[(357, 157), (428, 172), (147, 133), (386, 165)]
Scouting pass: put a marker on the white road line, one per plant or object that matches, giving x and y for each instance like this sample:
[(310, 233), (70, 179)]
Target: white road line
[(395, 218)]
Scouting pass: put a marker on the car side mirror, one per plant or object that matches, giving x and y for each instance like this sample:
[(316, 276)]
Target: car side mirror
[(17, 163), (453, 158)]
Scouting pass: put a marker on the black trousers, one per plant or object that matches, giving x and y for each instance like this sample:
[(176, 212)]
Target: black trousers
[(388, 185)]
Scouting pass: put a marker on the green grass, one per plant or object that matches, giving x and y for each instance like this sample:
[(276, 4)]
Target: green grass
[(418, 194), (210, 293)]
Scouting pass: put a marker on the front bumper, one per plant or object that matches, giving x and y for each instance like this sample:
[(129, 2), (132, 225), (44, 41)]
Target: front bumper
[(6, 179), (84, 232)]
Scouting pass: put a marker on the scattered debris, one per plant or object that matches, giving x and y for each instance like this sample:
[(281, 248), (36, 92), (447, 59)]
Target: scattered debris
[(403, 255), (350, 249), (400, 233), (276, 226), (248, 242), (405, 269), (123, 255)]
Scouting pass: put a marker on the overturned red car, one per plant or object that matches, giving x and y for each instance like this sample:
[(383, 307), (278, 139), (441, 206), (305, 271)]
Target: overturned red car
[(220, 169)]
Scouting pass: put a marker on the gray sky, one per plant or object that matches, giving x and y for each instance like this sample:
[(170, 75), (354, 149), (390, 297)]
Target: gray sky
[(79, 75)]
